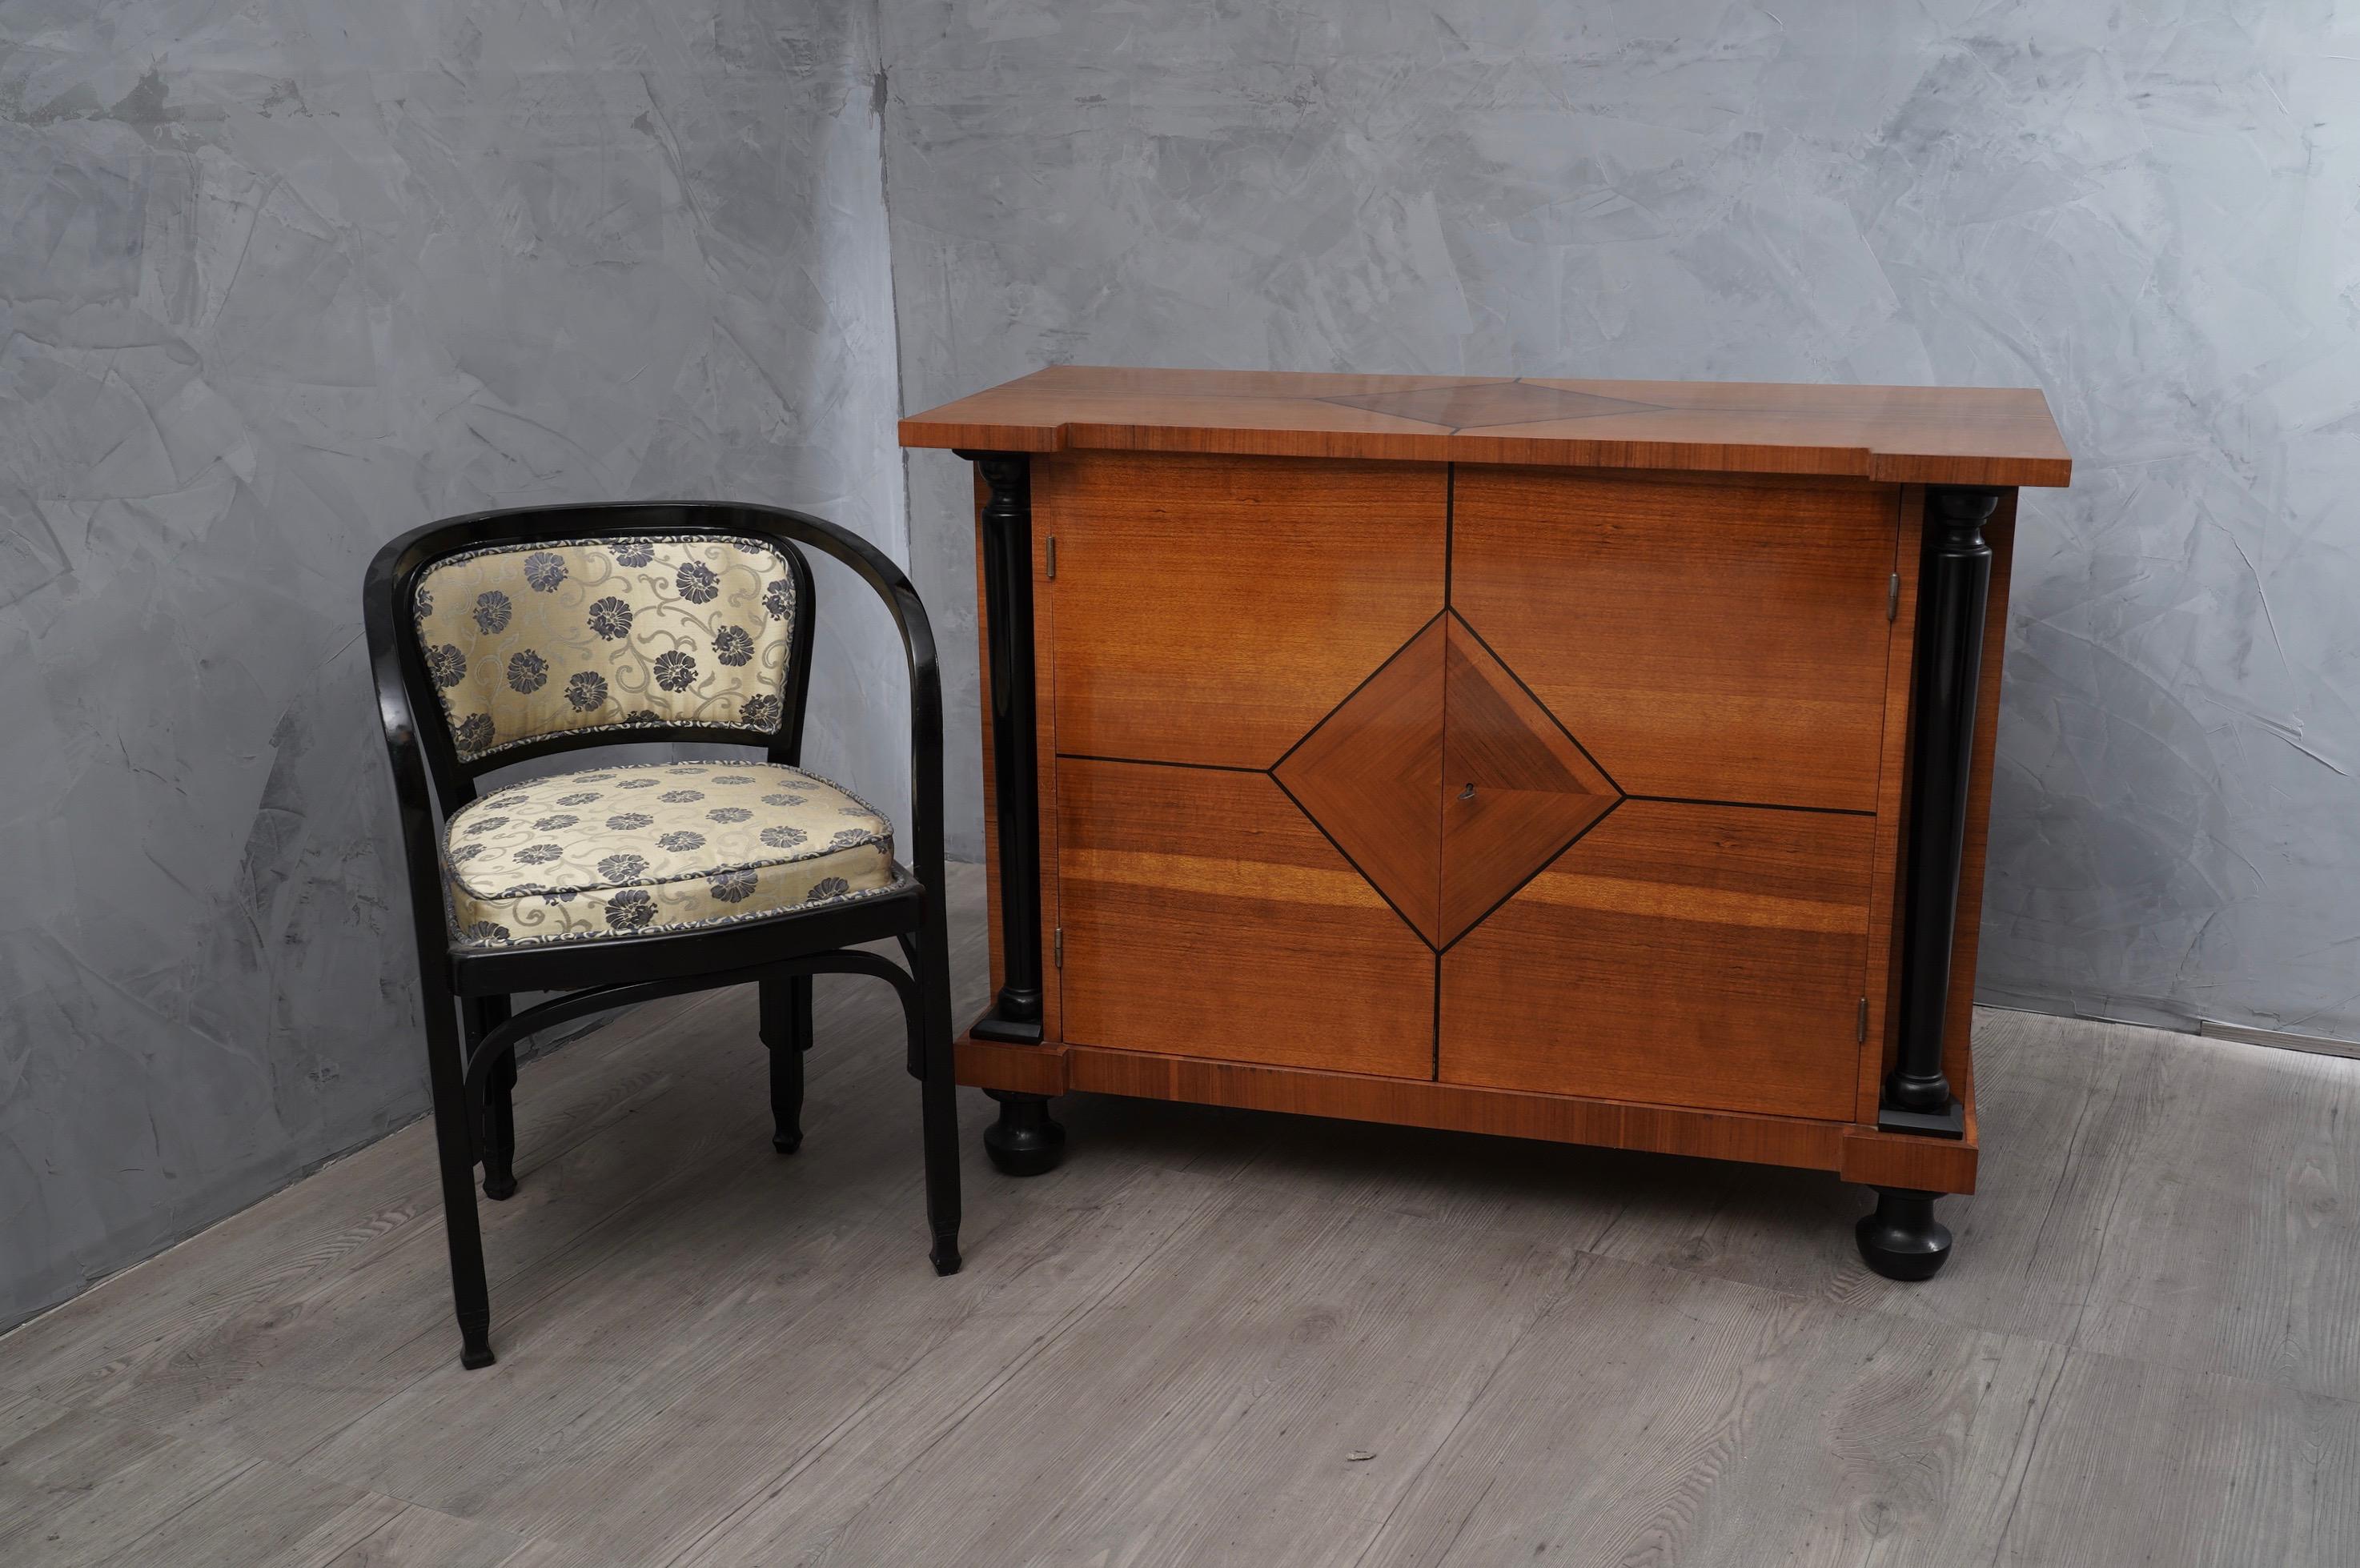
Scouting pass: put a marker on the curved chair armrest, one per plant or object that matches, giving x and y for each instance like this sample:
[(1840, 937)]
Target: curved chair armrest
[(887, 579), (413, 799)]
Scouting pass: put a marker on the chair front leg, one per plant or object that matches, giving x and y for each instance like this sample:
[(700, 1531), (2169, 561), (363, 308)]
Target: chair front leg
[(786, 1006), (454, 1152), (484, 1013)]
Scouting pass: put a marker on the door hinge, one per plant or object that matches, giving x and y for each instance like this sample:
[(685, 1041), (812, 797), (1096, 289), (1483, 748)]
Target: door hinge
[(1053, 559), (1057, 946), (1862, 1033), (1892, 596)]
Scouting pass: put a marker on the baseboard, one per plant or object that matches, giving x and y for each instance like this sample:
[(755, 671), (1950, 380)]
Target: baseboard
[(2284, 1039), (2209, 1029)]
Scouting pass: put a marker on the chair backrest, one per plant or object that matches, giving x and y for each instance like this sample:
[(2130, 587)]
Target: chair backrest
[(524, 641), (544, 630)]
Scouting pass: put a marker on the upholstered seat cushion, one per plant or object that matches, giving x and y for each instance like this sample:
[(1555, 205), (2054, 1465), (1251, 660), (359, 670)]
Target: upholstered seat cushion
[(668, 846)]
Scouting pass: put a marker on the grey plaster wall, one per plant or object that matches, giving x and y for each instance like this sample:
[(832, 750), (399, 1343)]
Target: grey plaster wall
[(280, 278), (2152, 212)]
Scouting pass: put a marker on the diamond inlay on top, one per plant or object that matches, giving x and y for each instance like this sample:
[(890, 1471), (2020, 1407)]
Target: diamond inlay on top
[(1516, 790), (1478, 403), (1371, 777)]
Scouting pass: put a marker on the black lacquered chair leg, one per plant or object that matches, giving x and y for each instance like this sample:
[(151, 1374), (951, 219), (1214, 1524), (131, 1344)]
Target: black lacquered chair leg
[(499, 1129), (1023, 1141), (787, 1031), (484, 1014), (471, 1294), (1901, 1239), (937, 1094)]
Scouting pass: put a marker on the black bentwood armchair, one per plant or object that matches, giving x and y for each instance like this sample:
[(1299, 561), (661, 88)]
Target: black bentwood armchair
[(520, 634)]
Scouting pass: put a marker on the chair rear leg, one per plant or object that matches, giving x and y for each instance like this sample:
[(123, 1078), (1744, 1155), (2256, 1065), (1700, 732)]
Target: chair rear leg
[(484, 1013), (471, 1295), (938, 1095), (499, 1129), (787, 1031)]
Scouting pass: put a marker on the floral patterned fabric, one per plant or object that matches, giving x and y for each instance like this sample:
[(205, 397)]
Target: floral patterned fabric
[(629, 632), (667, 846)]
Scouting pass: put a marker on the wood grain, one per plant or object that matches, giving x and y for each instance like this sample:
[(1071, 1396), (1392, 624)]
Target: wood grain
[(1897, 434), (1215, 610), (1370, 775), (1558, 1118), (1864, 1154), (1702, 639), (1883, 979), (1893, 819), (1677, 954), (1237, 1371), (1201, 906), (1516, 790), (1958, 1021), (1724, 1427), (1168, 1350), (1875, 1158), (2085, 1227)]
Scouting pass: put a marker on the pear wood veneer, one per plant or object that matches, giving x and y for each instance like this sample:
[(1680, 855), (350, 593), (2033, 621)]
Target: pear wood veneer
[(1529, 757)]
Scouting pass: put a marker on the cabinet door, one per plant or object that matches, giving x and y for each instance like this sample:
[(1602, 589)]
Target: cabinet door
[(1715, 639), (1211, 614), (1213, 610), (1679, 954), (1718, 649), (1206, 916)]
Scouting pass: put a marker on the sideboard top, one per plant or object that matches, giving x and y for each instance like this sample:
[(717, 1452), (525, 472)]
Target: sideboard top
[(1928, 435)]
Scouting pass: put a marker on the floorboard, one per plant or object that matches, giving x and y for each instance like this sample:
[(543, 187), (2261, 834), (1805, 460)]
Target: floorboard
[(1219, 1337)]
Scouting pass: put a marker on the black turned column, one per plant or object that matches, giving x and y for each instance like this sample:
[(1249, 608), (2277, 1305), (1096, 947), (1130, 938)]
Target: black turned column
[(1015, 1014), (1954, 591)]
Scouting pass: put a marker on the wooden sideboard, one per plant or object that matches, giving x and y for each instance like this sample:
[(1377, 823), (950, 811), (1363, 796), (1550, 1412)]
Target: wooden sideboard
[(1603, 762)]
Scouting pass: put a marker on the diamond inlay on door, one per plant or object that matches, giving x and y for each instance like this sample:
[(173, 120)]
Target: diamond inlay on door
[(1445, 782), (1371, 777), (1516, 790)]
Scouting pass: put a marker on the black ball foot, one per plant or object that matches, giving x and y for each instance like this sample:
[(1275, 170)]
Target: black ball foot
[(499, 1185), (476, 1354), (787, 1139), (1901, 1239), (1023, 1141), (946, 1255)]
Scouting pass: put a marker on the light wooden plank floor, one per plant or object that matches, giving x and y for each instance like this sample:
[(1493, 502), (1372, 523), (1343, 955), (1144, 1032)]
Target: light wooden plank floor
[(1218, 1337)]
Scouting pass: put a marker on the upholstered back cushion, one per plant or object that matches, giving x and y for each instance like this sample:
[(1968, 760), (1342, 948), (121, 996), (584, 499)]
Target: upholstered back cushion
[(635, 633)]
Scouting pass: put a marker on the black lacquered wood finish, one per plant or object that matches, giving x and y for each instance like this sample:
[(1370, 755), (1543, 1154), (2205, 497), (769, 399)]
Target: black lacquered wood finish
[(473, 1069), (1006, 524), (1954, 585), (1900, 1238)]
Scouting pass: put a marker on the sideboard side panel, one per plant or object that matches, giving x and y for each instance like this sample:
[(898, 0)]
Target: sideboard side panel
[(1958, 1019), (1882, 1036), (1958, 1022)]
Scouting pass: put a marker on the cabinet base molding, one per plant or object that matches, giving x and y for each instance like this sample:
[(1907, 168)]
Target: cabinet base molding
[(1855, 1151)]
